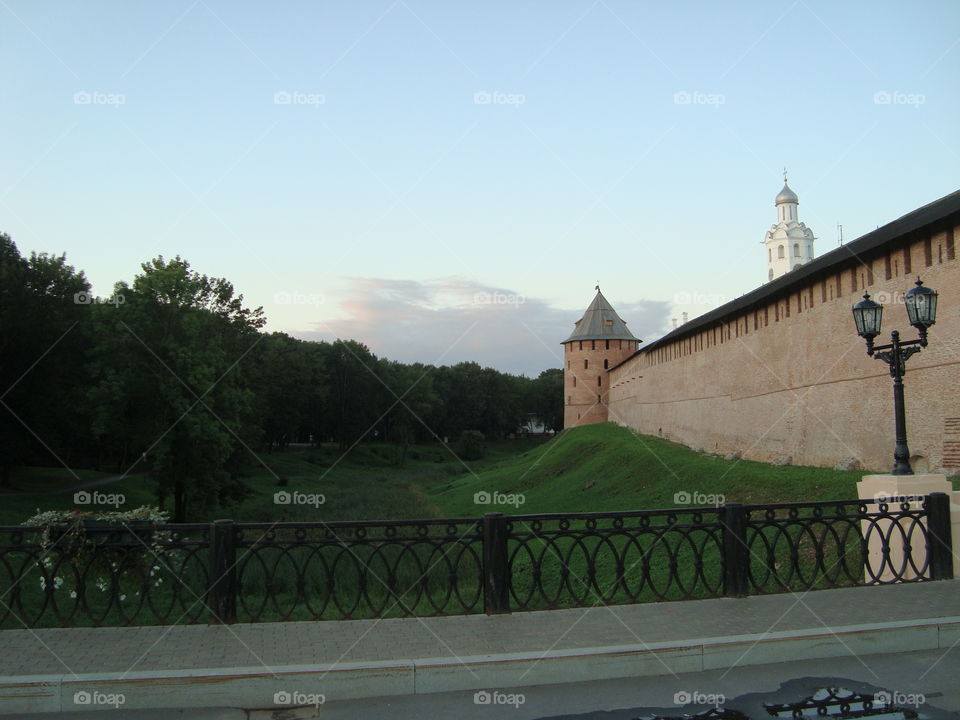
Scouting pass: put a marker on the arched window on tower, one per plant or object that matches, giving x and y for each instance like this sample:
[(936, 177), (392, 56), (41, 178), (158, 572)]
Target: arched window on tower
[(607, 346), (796, 249), (769, 254), (586, 364), (574, 380), (606, 364), (780, 252), (771, 274)]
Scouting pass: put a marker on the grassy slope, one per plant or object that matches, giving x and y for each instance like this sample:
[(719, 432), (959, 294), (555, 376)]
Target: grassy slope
[(363, 485), (593, 468), (606, 467)]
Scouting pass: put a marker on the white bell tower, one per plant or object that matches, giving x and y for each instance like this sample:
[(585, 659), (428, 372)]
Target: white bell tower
[(789, 243)]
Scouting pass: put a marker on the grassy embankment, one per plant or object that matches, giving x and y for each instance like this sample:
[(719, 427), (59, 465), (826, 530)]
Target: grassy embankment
[(594, 468)]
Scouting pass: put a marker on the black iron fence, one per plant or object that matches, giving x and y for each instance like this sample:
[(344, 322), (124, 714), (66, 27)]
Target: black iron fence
[(254, 572)]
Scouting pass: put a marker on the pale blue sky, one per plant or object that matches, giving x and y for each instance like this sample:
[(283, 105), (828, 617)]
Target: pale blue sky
[(386, 194)]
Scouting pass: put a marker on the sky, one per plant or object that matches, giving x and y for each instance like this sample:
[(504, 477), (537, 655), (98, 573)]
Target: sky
[(448, 181)]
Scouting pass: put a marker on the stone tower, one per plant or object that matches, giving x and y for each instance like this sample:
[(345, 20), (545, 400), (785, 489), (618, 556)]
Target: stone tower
[(599, 341), (789, 242)]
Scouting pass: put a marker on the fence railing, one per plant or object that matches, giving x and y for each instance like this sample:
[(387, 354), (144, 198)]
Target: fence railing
[(254, 572)]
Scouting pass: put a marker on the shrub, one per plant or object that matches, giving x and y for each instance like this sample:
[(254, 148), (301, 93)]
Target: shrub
[(471, 445)]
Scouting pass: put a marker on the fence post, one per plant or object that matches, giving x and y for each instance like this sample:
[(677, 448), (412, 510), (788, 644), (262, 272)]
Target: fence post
[(496, 571), (939, 538), (222, 577), (736, 555)]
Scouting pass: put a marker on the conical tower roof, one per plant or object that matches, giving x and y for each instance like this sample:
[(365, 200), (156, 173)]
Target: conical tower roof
[(600, 322)]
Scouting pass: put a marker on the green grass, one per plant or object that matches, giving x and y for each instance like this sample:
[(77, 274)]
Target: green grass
[(33, 489), (604, 467), (599, 467), (364, 484)]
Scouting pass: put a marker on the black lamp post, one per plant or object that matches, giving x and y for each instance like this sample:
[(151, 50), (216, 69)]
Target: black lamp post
[(921, 305)]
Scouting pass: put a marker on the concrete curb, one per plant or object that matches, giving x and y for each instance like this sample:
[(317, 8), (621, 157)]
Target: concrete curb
[(253, 688)]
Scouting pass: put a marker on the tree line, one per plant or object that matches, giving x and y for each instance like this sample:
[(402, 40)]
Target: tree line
[(173, 375)]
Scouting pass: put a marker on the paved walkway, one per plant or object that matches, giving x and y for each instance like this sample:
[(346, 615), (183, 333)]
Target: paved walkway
[(266, 645)]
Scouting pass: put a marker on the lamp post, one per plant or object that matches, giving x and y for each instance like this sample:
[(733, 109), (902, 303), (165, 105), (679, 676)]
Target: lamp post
[(921, 303)]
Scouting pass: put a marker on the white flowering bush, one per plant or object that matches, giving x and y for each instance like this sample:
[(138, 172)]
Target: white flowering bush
[(67, 547)]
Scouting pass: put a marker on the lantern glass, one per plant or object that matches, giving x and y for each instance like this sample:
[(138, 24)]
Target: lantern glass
[(921, 303), (868, 316)]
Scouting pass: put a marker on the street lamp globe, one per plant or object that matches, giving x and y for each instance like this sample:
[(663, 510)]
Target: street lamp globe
[(868, 315), (921, 305)]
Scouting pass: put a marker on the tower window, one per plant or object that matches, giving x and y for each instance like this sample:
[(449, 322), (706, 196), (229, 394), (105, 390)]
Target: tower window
[(607, 344), (593, 344), (581, 344), (574, 380), (796, 249), (780, 252), (599, 381), (568, 399), (770, 254), (606, 364), (586, 364), (771, 274)]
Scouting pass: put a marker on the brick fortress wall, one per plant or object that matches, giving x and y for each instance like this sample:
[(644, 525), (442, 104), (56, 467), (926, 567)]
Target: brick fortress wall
[(792, 379)]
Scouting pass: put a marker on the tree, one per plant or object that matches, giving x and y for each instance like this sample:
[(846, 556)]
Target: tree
[(412, 400), (41, 368), (185, 335), (547, 399), (355, 393)]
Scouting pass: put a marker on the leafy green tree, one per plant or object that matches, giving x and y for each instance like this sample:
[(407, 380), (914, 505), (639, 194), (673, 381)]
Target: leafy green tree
[(546, 399), (412, 402), (185, 335), (355, 393), (41, 369)]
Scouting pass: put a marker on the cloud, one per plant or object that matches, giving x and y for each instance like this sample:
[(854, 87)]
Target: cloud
[(450, 320)]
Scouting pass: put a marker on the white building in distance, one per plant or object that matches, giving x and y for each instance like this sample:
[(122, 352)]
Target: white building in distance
[(789, 242)]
